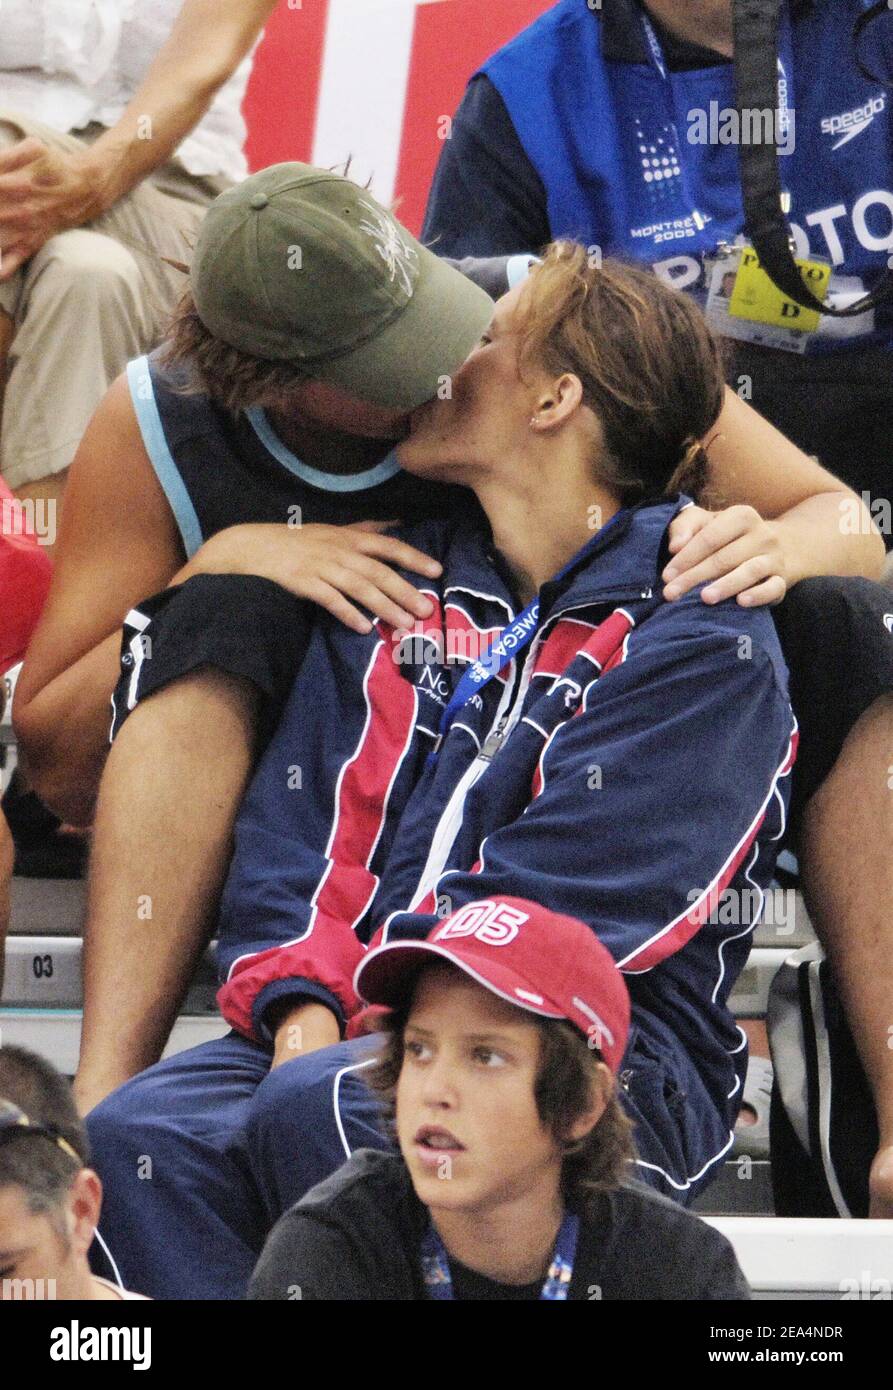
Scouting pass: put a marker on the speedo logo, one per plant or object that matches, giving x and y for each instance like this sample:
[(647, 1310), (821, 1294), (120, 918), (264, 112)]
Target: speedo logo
[(852, 123)]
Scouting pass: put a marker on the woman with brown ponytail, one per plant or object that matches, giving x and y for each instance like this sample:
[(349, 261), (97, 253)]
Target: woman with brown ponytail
[(555, 731)]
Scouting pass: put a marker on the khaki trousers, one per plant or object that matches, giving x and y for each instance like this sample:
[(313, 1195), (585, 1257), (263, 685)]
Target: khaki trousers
[(86, 303)]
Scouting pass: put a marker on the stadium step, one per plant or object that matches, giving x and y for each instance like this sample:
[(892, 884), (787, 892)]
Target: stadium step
[(45, 971), (44, 948), (743, 1187), (785, 1258), (47, 906), (56, 1033), (55, 907)]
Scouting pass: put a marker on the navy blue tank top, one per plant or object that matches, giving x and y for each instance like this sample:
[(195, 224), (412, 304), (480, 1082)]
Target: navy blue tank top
[(219, 469)]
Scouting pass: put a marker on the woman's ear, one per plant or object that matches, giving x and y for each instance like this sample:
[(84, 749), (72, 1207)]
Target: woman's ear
[(557, 401), (600, 1092)]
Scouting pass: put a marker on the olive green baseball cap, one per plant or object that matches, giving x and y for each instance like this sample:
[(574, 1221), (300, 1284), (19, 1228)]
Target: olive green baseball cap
[(301, 265)]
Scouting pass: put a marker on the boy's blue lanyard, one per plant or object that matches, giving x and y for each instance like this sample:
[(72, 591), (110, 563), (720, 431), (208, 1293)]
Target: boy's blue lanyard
[(439, 1280), (514, 637), (785, 84)]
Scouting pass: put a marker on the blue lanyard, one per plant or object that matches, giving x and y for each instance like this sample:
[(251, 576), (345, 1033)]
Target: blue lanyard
[(657, 52), (785, 86), (517, 634), (785, 61), (439, 1280)]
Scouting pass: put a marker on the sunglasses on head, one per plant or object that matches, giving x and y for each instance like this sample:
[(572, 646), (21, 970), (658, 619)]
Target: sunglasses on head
[(14, 1121)]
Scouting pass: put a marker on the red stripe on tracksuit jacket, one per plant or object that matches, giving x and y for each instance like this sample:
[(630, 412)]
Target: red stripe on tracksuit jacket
[(641, 786)]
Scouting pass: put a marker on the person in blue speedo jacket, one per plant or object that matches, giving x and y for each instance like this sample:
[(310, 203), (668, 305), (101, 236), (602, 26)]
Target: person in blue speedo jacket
[(615, 123), (621, 758)]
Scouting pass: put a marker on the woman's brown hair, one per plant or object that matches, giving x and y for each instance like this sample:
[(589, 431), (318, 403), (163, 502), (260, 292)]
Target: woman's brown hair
[(563, 1091), (649, 366)]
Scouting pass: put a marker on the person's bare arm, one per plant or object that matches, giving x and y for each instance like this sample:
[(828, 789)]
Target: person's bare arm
[(786, 518), (118, 543), (43, 192)]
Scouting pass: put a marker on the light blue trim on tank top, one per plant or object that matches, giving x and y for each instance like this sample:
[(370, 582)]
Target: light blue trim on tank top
[(329, 482), (139, 379)]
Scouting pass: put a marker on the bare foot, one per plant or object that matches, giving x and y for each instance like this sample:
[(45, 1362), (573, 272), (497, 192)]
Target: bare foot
[(880, 1184)]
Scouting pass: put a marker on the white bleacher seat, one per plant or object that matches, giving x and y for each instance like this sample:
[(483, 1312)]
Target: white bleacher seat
[(784, 1258), (46, 970), (56, 1033)]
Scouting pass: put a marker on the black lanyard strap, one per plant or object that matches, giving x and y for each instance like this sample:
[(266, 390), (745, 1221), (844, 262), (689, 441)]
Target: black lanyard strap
[(755, 27), (862, 23)]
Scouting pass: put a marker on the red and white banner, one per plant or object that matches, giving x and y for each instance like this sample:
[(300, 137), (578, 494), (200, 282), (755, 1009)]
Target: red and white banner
[(376, 80)]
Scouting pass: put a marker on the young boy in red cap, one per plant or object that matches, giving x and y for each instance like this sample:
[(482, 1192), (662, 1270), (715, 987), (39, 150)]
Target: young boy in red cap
[(507, 1028)]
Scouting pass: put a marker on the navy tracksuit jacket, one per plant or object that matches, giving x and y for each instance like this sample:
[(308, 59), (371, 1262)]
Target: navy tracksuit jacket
[(640, 785)]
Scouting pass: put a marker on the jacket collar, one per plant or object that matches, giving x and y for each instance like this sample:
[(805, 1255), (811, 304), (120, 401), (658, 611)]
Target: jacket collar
[(622, 562), (623, 38), (475, 571)]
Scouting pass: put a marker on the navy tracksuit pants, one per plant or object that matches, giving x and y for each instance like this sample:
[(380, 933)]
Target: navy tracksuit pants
[(203, 1152), (200, 1154)]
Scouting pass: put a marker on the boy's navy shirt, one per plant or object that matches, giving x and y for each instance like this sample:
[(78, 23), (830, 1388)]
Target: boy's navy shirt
[(357, 1235), (549, 139), (219, 469)]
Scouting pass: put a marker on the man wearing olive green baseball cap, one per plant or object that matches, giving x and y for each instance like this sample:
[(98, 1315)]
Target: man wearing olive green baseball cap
[(300, 265), (313, 324)]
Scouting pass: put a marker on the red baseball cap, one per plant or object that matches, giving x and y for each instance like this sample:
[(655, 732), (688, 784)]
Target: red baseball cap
[(548, 964)]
